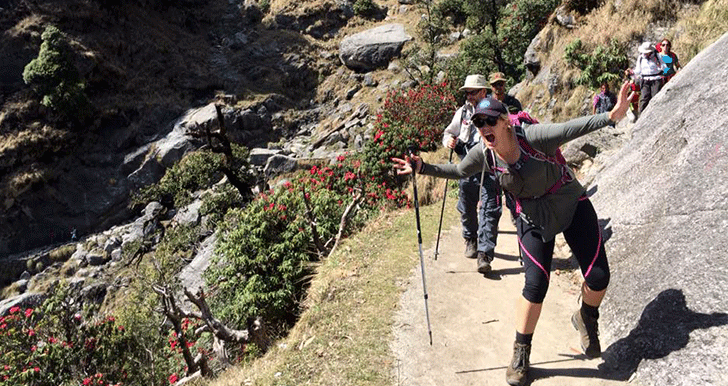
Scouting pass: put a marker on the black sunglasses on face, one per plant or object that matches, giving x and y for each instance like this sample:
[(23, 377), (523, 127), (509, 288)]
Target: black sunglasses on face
[(480, 121), (471, 92)]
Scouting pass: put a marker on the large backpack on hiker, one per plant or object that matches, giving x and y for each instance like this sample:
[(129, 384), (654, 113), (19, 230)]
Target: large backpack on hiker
[(603, 103)]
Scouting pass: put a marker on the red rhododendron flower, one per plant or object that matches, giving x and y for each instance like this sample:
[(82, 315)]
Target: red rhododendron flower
[(173, 378)]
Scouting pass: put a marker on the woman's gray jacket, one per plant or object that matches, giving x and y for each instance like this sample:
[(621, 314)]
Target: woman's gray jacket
[(530, 179)]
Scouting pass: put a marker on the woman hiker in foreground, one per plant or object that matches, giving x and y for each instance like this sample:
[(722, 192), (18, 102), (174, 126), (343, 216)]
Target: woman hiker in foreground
[(549, 200)]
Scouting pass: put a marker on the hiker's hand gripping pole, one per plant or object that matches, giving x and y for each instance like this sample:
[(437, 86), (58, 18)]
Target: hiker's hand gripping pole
[(442, 211), (419, 242)]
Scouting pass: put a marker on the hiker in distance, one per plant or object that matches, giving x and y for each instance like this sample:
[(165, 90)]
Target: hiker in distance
[(549, 200), (480, 226), (649, 72)]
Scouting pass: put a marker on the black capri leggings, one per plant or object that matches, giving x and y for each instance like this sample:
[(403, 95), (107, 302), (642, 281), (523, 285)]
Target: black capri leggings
[(585, 240)]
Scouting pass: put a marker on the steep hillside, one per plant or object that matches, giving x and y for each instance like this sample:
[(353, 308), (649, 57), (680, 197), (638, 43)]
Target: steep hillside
[(552, 92), (144, 64)]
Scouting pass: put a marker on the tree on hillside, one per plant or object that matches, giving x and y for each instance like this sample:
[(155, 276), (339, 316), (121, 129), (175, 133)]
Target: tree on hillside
[(54, 76), (504, 31)]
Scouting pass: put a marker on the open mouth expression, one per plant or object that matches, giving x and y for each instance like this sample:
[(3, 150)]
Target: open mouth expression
[(486, 125)]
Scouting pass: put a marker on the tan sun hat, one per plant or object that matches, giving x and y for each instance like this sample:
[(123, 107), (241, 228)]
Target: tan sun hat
[(474, 81), (497, 77), (646, 48)]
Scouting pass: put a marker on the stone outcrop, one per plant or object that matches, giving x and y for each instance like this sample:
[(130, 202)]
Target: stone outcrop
[(374, 48), (663, 200)]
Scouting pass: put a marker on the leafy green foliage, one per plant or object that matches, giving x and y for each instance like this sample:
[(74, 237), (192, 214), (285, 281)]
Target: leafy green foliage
[(56, 345), (411, 120), (267, 249), (365, 8), (197, 170), (504, 34), (421, 60), (216, 203), (602, 64), (521, 21), (451, 10), (54, 76)]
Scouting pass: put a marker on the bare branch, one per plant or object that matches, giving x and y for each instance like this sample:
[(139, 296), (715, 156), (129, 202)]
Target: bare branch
[(221, 333), (345, 220), (322, 250), (217, 328), (175, 316)]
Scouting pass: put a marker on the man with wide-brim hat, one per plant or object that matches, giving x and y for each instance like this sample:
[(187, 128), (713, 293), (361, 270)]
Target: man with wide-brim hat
[(498, 81), (648, 73), (480, 227)]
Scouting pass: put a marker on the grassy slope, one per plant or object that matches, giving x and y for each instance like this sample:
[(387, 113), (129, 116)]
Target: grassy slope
[(343, 335), (691, 28)]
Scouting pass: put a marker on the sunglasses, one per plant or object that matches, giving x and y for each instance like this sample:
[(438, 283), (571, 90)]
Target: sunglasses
[(471, 92), (481, 121), (665, 44)]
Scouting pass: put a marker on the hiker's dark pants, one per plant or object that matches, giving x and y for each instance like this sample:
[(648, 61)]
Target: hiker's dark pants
[(481, 224), (584, 238), (650, 88)]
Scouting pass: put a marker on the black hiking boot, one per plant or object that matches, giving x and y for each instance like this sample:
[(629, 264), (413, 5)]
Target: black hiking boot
[(471, 248), (484, 261), (517, 370), (589, 330)]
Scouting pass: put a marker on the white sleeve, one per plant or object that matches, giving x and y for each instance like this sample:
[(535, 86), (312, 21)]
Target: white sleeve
[(638, 68), (453, 129)]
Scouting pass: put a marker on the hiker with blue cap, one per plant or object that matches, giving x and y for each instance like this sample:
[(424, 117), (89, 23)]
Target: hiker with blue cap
[(549, 200)]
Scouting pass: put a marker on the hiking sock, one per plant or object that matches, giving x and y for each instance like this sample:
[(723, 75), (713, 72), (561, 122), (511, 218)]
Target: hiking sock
[(523, 338), (587, 310)]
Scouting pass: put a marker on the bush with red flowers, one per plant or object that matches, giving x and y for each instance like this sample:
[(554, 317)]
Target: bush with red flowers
[(266, 248), (58, 345)]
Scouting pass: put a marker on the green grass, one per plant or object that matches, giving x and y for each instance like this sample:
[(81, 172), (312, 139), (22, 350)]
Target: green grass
[(343, 335)]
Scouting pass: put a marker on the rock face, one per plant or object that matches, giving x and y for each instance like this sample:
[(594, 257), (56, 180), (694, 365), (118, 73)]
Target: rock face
[(663, 199), (373, 48)]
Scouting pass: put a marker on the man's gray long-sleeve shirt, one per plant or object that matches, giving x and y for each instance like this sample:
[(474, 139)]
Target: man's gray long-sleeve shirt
[(531, 179)]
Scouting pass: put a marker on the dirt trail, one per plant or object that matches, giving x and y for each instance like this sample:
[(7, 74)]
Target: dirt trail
[(472, 319)]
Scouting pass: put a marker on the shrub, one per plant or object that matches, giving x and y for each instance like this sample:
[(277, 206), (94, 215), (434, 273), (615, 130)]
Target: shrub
[(505, 33), (197, 170), (365, 8), (602, 64), (56, 345), (453, 9), (266, 250), (54, 76), (412, 120)]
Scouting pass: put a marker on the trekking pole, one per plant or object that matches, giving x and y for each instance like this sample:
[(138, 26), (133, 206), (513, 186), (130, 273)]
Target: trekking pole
[(419, 241), (442, 210)]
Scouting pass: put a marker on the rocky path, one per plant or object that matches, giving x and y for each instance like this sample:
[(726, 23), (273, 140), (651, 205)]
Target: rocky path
[(472, 319)]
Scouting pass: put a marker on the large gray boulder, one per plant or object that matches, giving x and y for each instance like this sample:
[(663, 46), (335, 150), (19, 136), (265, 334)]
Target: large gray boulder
[(374, 48), (664, 200)]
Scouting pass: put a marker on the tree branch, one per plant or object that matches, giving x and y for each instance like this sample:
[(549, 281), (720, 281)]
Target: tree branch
[(345, 220), (321, 248)]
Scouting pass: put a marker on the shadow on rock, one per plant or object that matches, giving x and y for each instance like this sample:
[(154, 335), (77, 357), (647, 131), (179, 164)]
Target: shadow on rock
[(606, 229), (664, 327)]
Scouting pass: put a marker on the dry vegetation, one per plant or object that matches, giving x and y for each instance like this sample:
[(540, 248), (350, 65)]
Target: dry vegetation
[(342, 336), (691, 28)]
